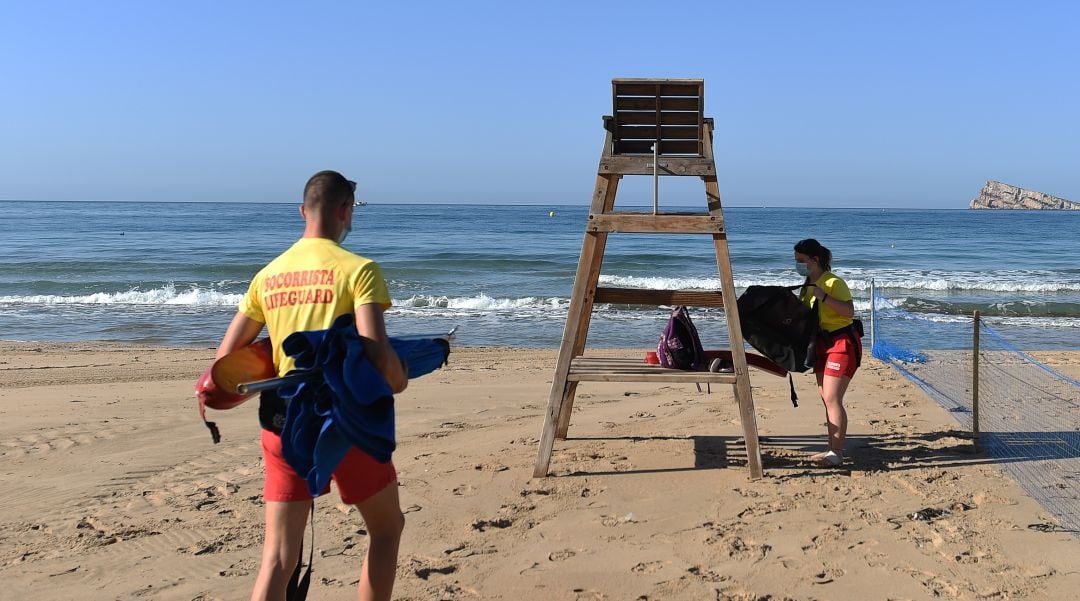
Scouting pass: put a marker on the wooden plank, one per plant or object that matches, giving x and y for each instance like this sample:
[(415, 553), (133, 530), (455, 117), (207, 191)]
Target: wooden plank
[(690, 147), (658, 80), (636, 132), (647, 223), (649, 104), (657, 89), (648, 132), (676, 377), (618, 364), (639, 165), (637, 296), (650, 118)]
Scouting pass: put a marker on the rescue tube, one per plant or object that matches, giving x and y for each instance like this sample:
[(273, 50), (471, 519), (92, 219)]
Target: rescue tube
[(216, 387)]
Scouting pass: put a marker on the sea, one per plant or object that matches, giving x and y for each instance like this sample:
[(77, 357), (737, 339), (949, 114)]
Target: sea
[(173, 273)]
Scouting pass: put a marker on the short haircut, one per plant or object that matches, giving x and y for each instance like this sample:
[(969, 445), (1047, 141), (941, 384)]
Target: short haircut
[(327, 190)]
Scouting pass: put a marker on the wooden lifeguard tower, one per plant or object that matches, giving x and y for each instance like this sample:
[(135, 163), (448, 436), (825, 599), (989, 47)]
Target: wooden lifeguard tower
[(657, 128)]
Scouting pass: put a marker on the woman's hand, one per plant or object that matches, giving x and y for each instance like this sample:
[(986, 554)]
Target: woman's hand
[(819, 293)]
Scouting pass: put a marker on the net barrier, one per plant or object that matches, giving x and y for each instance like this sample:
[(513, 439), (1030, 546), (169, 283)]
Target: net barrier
[(1029, 414)]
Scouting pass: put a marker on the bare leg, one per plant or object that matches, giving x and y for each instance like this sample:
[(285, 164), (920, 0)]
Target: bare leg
[(832, 390), (384, 521), (285, 524)]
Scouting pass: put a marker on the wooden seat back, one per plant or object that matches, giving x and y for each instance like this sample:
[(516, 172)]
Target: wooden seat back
[(667, 112)]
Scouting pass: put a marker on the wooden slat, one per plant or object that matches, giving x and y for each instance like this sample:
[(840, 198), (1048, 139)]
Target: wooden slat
[(697, 81), (655, 298), (691, 147), (647, 223), (639, 165), (667, 132), (664, 89), (632, 370), (649, 104), (649, 118)]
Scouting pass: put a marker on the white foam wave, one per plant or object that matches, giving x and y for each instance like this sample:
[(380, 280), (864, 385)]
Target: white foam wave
[(166, 295), (659, 283), (1000, 282), (480, 302)]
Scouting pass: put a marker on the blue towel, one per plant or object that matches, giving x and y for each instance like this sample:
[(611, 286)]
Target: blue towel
[(346, 402)]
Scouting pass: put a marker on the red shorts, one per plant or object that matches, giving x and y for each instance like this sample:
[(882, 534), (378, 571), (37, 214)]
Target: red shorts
[(841, 358), (358, 476)]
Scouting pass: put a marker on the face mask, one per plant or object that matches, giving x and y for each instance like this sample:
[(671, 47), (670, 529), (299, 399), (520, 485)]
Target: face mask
[(802, 268), (344, 234)]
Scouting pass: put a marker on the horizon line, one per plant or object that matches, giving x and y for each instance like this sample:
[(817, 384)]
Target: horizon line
[(496, 204)]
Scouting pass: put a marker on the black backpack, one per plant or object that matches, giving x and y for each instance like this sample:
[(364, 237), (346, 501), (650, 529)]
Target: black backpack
[(776, 323)]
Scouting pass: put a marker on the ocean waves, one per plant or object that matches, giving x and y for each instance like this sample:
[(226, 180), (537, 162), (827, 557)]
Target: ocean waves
[(165, 295), (860, 280), (175, 272), (1054, 302)]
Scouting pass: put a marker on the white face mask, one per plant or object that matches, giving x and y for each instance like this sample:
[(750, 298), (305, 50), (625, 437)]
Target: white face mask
[(802, 268)]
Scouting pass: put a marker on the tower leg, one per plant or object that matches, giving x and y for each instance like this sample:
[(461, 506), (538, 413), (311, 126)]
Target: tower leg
[(743, 395), (579, 313)]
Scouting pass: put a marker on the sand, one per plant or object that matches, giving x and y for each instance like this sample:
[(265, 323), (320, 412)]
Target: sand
[(112, 489)]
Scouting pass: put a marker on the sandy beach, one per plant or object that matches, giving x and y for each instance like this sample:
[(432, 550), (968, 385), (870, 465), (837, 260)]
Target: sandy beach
[(112, 489)]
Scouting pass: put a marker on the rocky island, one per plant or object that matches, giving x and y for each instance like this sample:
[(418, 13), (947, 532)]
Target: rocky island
[(996, 195)]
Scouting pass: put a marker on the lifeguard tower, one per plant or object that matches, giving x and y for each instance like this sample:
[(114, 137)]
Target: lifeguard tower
[(657, 128)]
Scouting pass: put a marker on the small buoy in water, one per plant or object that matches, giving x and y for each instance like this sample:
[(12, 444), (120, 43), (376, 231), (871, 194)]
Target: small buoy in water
[(551, 214), (892, 246)]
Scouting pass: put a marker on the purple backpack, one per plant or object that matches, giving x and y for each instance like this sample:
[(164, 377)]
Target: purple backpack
[(680, 347)]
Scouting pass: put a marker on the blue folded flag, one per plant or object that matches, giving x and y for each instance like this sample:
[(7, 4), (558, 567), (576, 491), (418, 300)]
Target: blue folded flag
[(345, 402)]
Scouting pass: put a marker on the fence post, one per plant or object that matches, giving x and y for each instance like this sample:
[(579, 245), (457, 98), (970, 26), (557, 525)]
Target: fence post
[(873, 316), (975, 384)]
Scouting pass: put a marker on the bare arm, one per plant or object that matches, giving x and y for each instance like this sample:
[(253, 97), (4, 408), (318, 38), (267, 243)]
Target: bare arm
[(242, 332), (842, 308), (372, 328)]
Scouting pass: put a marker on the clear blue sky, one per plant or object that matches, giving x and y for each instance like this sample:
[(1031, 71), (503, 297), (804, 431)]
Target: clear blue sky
[(890, 104)]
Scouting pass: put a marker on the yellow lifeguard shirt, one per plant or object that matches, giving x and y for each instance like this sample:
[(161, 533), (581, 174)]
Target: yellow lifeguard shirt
[(309, 285), (835, 287)]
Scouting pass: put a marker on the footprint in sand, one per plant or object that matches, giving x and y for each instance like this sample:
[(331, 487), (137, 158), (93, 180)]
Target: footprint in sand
[(464, 490), (647, 567), (238, 569), (464, 550), (829, 574), (611, 520), (497, 523), (706, 574), (425, 568), (562, 555)]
